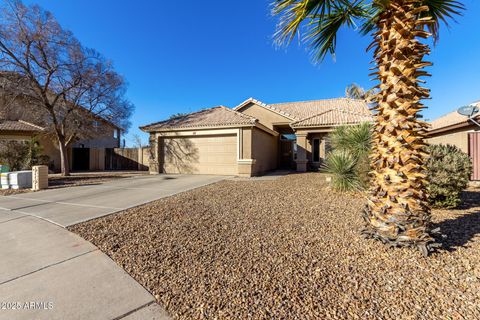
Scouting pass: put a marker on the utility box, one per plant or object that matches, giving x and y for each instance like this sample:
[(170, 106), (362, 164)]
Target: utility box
[(20, 179), (4, 180), (39, 178)]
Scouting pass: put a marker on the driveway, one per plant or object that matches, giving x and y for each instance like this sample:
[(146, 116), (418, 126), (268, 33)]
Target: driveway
[(48, 272), (69, 206)]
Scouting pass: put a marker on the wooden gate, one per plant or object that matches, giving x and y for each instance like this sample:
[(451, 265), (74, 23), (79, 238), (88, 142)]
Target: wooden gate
[(125, 159), (474, 153)]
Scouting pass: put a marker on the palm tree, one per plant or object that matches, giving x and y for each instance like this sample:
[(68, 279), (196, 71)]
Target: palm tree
[(397, 211), (354, 91)]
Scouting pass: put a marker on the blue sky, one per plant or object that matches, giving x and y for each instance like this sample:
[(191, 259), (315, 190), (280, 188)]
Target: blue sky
[(182, 56)]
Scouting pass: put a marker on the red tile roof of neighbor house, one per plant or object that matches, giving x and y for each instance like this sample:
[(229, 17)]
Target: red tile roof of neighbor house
[(451, 120), (214, 117), (20, 125)]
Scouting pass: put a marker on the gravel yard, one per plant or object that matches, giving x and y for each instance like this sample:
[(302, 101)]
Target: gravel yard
[(288, 248)]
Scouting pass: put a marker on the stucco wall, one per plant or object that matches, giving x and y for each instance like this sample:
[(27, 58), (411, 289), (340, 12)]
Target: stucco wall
[(105, 139), (265, 151), (458, 137), (264, 116)]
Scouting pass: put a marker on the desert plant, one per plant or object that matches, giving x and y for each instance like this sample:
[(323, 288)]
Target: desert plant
[(448, 173), (356, 141), (342, 165), (397, 210)]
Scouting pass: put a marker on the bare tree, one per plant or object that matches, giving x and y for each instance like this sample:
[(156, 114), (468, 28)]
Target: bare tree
[(137, 141), (68, 87)]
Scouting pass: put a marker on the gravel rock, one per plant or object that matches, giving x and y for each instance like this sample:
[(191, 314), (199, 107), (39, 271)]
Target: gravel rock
[(288, 248)]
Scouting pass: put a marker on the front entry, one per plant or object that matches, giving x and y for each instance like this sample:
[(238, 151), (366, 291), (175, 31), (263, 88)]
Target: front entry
[(287, 152)]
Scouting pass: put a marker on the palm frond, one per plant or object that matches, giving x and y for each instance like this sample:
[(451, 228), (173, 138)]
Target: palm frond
[(441, 11), (322, 20), (292, 13)]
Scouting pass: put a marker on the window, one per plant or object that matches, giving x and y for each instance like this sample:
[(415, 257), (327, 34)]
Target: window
[(115, 133), (288, 137), (96, 125), (316, 150)]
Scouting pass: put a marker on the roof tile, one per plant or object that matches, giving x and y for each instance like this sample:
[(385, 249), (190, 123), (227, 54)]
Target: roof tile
[(11, 125), (214, 117), (333, 117)]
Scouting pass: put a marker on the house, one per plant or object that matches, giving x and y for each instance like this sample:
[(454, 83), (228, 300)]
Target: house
[(456, 129), (87, 154), (18, 130), (252, 138)]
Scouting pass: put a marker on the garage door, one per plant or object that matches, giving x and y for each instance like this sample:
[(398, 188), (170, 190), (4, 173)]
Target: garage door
[(201, 155)]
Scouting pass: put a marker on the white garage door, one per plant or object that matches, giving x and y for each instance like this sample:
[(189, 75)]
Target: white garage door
[(201, 155)]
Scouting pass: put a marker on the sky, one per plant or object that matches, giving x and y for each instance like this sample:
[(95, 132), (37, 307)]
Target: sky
[(183, 56)]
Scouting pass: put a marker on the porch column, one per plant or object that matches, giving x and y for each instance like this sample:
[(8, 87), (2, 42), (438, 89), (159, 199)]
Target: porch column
[(301, 152), (153, 164)]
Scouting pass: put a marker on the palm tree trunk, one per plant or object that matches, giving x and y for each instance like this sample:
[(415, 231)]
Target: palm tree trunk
[(397, 211)]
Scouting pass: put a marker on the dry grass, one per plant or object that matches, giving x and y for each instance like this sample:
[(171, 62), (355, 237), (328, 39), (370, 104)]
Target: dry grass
[(288, 248)]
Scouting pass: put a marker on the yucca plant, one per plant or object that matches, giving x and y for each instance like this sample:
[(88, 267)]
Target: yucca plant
[(357, 141), (342, 165), (397, 211)]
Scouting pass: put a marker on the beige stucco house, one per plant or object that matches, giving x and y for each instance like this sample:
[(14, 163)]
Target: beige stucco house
[(88, 154), (252, 138), (456, 129)]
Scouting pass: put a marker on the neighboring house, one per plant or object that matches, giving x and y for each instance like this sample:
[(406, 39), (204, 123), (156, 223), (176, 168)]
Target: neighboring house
[(252, 138), (18, 130), (458, 130), (83, 155)]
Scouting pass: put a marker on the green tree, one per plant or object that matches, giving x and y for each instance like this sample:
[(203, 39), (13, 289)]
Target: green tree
[(397, 211)]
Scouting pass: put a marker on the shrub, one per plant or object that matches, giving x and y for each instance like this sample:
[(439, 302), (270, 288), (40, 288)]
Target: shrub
[(14, 154), (21, 155), (343, 167), (448, 173), (349, 163)]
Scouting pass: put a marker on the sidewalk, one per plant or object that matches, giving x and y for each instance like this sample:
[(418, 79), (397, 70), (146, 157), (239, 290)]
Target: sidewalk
[(50, 273)]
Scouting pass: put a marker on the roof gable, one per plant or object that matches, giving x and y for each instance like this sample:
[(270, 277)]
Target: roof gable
[(213, 117), (263, 105)]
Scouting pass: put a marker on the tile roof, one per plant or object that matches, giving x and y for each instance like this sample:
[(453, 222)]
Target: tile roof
[(333, 117), (450, 119), (20, 125), (264, 105), (304, 109), (214, 117)]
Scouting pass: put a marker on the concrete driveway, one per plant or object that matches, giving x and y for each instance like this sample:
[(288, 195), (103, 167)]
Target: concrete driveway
[(73, 205), (47, 272)]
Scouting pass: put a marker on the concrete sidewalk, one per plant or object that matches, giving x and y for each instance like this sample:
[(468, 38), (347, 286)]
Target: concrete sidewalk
[(47, 272)]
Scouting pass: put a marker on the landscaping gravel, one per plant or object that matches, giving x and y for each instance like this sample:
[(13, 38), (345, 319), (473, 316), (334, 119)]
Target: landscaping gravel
[(288, 249)]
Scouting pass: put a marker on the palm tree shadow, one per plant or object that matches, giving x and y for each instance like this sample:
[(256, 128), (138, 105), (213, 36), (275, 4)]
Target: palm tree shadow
[(461, 230)]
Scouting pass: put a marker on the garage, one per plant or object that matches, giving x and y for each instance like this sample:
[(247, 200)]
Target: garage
[(213, 154)]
